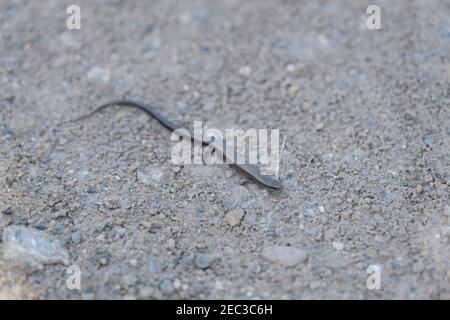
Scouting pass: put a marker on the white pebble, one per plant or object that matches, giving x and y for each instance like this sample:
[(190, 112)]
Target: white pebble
[(23, 244), (234, 217), (284, 255)]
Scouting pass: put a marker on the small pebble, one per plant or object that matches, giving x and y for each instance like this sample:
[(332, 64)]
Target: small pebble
[(133, 262), (338, 245), (245, 71), (320, 126), (150, 176), (171, 243), (284, 255), (76, 238), (177, 284), (8, 211), (234, 217), (41, 227), (290, 67), (203, 261), (60, 214), (103, 261), (176, 169), (419, 189), (229, 173), (22, 244), (166, 286)]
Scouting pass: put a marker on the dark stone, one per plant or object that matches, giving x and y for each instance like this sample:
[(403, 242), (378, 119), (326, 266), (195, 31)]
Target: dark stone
[(8, 211)]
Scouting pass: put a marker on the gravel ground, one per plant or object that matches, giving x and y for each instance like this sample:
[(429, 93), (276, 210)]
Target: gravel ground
[(365, 168)]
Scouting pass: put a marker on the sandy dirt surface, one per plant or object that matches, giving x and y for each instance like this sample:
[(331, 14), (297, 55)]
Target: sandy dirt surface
[(365, 168)]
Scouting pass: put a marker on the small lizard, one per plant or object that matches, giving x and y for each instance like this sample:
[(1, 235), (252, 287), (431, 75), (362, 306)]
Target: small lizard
[(250, 170)]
